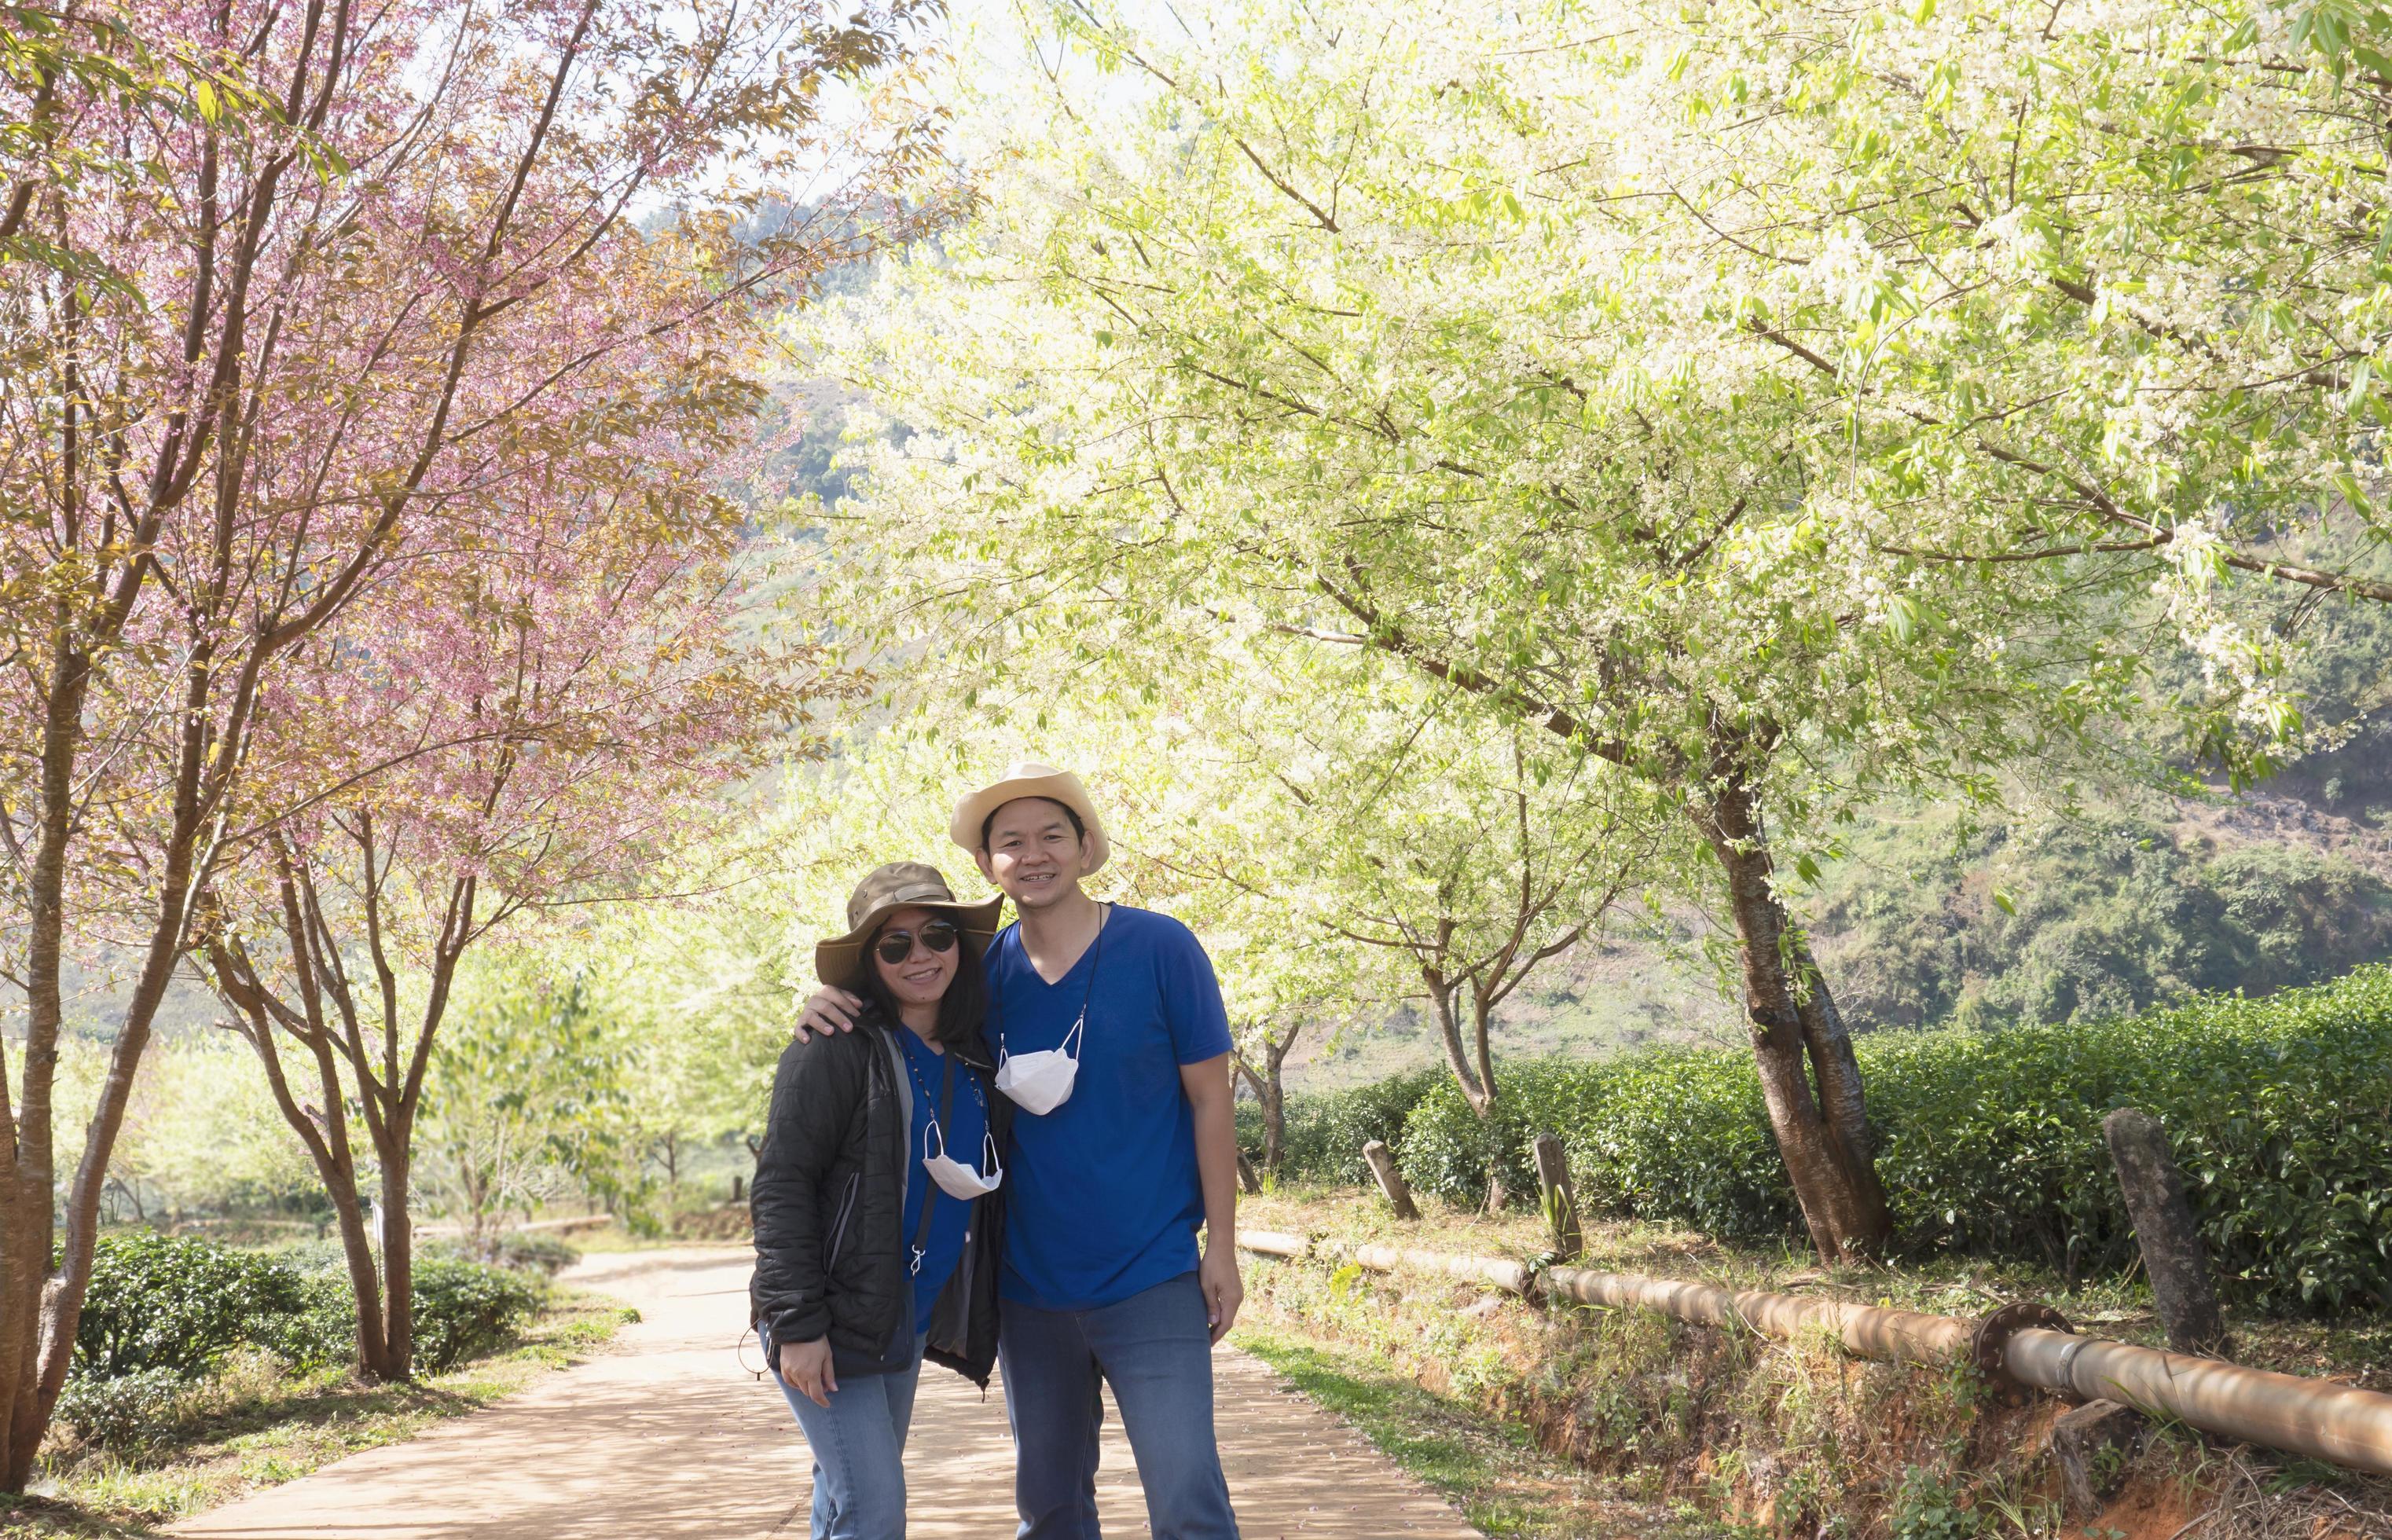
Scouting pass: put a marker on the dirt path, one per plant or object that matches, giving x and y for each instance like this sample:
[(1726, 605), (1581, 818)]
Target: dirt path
[(669, 1435)]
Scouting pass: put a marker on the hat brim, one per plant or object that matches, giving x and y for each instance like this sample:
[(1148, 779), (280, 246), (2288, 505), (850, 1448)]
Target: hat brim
[(1065, 788), (838, 962)]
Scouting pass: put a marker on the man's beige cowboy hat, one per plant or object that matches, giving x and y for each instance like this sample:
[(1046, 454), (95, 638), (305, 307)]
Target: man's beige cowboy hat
[(900, 885), (1029, 778)]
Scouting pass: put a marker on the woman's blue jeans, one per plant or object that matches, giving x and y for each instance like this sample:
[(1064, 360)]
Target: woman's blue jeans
[(1156, 1352), (859, 1447)]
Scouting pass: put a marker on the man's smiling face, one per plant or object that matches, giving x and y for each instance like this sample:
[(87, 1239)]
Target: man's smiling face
[(1033, 853)]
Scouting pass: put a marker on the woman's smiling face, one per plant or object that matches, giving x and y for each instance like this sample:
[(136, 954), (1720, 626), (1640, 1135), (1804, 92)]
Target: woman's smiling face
[(922, 978)]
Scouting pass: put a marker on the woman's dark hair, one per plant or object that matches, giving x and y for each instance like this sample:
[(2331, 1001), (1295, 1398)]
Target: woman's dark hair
[(961, 1009)]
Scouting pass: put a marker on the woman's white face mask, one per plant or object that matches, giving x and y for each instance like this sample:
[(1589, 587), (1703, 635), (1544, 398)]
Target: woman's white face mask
[(956, 1179), (1042, 1081)]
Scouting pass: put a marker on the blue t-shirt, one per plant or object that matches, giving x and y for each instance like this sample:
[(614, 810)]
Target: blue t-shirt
[(965, 1133), (1104, 1196)]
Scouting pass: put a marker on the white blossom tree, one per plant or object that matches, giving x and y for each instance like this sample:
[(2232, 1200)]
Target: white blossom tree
[(1395, 330)]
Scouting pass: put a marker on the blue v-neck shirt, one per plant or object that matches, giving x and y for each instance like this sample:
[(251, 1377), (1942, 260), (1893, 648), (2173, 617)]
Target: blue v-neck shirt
[(1104, 1201), (966, 1128)]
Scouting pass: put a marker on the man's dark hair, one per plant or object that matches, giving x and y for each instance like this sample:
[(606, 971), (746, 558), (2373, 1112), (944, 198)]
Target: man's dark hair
[(961, 1009), (1079, 830)]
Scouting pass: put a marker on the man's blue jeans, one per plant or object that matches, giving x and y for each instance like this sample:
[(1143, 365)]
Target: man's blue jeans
[(859, 1447), (1156, 1352)]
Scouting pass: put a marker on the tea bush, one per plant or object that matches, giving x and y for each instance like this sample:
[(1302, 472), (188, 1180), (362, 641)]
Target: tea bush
[(124, 1412), (164, 1303), (466, 1308), (174, 1306), (1989, 1141), (1326, 1133)]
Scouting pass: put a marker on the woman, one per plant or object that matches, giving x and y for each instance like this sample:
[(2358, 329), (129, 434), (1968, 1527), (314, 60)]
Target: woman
[(878, 1230)]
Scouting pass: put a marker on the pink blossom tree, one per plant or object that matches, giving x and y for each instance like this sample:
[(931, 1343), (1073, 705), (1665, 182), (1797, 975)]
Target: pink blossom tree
[(533, 730), (292, 345)]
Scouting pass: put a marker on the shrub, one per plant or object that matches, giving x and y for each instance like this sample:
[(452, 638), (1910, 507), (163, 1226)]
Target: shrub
[(527, 1252), (164, 1303), (174, 1306), (1448, 1151), (123, 1413), (1990, 1142), (466, 1308), (1683, 1136), (1326, 1132), (324, 1331)]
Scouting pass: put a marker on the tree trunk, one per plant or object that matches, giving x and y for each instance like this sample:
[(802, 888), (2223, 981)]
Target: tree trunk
[(1821, 1131), (62, 1302), (25, 1239), (1274, 1100), (327, 1143), (1480, 1093), (1269, 1085), (398, 1267), (1482, 1008), (44, 1310), (28, 1219)]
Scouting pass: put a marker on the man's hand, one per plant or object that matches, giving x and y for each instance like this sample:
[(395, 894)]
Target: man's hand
[(806, 1369), (826, 1011), (1224, 1290)]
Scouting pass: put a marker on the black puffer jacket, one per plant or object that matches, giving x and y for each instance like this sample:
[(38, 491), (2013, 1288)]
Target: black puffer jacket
[(829, 1206)]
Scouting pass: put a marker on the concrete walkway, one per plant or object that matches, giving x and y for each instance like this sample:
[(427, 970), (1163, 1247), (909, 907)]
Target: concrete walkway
[(667, 1435)]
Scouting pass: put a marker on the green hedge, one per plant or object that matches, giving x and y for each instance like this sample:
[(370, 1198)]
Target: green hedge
[(1326, 1133), (1990, 1142), (174, 1306), (160, 1304)]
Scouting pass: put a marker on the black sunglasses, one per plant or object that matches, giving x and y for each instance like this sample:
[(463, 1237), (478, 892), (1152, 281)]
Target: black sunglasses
[(898, 945)]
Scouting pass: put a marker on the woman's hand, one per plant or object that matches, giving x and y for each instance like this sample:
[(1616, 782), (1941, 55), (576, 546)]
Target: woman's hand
[(829, 1010), (805, 1368)]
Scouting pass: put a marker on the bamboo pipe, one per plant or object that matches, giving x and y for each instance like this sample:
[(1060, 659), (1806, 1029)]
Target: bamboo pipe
[(1504, 1274), (1902, 1335), (2341, 1424)]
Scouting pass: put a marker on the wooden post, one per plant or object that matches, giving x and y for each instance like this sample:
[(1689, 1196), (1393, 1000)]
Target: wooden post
[(1246, 1177), (1391, 1181), (2172, 1254), (1560, 1197)]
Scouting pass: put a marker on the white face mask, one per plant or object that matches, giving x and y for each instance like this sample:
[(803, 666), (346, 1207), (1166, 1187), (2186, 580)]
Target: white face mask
[(1042, 1081), (956, 1179)]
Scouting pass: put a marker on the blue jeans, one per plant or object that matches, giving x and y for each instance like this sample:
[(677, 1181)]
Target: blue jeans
[(859, 1447), (1156, 1352)]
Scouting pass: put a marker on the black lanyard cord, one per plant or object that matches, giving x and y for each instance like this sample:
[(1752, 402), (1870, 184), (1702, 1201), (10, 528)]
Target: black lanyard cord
[(930, 1195), (1096, 956)]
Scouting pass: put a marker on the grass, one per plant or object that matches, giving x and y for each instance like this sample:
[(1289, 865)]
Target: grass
[(1563, 1420), (255, 1425), (1492, 1471), (2355, 1348)]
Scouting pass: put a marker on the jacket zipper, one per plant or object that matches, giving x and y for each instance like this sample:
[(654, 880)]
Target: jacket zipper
[(838, 1226)]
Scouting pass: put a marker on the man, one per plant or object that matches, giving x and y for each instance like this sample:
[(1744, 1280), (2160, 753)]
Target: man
[(1114, 1043)]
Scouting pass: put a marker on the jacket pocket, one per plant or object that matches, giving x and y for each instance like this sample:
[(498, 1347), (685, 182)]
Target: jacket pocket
[(839, 1225)]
